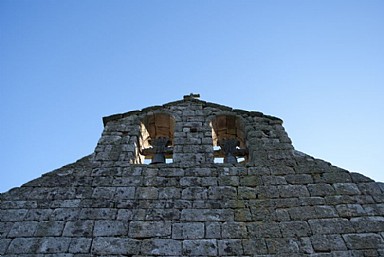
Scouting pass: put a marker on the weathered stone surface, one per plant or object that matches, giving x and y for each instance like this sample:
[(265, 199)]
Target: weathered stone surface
[(363, 241), (141, 229), (189, 230), (23, 229), (230, 247), (325, 243), (295, 229), (80, 245), (81, 228), (110, 228), (331, 226), (23, 245), (110, 246), (207, 215), (368, 224), (161, 247), (206, 247), (275, 202), (54, 245), (282, 246), (263, 229), (50, 228)]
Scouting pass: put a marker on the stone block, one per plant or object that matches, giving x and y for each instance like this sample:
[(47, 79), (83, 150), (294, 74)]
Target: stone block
[(19, 204), (188, 230), (104, 192), (163, 247), (13, 214), (363, 241), (38, 214), (5, 227), (23, 245), (234, 230), (65, 214), (305, 245), (169, 193), (301, 179), (65, 204), (23, 229), (267, 192), (162, 214), (263, 229), (125, 193), (327, 243), (110, 228), (325, 211), (243, 214), (80, 228), (194, 193), (368, 224), (348, 199), (222, 193), (334, 177), (374, 209), (145, 229), (212, 230), (98, 213), (331, 226), (288, 191), (246, 193), (292, 229), (282, 246), (346, 189), (312, 212), (281, 215), (146, 193), (114, 246), (207, 215), (206, 247), (274, 180), (171, 172), (370, 188), (199, 172), (254, 246), (161, 182), (321, 189), (357, 178), (232, 247), (251, 181), (3, 245), (54, 245), (50, 228), (228, 180), (350, 210), (80, 245)]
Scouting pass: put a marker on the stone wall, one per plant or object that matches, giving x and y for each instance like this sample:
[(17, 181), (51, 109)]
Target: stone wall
[(279, 203)]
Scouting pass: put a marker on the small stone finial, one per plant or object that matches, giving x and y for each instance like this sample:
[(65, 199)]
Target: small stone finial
[(192, 96)]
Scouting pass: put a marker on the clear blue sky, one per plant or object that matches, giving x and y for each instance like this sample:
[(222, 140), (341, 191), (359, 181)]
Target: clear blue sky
[(318, 65)]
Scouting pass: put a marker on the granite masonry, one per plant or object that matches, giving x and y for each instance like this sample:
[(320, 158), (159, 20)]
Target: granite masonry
[(193, 178)]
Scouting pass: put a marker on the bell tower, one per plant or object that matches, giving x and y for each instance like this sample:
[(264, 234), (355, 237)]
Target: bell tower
[(194, 178)]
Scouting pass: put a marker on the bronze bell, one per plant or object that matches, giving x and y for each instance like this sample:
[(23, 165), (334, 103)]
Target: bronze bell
[(230, 158), (158, 158), (159, 146), (228, 146)]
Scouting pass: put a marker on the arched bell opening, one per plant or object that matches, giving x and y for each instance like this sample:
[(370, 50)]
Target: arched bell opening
[(228, 139), (156, 139)]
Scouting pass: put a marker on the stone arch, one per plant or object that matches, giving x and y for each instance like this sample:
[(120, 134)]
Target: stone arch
[(156, 138), (228, 138)]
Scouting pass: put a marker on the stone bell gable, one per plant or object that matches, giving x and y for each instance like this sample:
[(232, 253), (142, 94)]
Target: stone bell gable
[(193, 178)]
